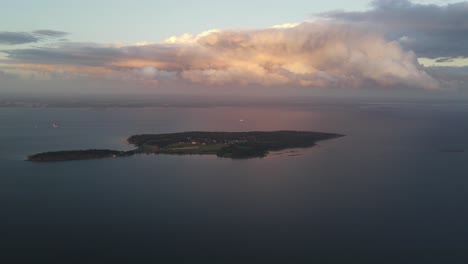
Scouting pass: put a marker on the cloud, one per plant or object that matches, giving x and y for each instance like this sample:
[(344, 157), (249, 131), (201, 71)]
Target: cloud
[(452, 78), (147, 74), (311, 54), (287, 25), (16, 38), (50, 33), (429, 30), (440, 60)]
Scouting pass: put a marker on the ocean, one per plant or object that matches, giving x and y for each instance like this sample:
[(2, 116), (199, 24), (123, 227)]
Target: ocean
[(393, 190)]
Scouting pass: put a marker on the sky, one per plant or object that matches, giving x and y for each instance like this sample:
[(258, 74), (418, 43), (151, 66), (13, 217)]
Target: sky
[(114, 46), (149, 20)]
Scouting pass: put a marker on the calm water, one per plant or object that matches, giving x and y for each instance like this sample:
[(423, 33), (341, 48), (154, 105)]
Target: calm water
[(391, 191)]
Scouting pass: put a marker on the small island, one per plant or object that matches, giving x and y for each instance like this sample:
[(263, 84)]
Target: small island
[(235, 145)]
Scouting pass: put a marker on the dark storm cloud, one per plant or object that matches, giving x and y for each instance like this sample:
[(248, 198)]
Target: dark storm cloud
[(17, 38), (430, 30)]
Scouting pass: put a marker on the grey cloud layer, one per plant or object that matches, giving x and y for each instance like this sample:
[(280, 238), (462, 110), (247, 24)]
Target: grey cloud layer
[(16, 38), (77, 54), (431, 31), (50, 33)]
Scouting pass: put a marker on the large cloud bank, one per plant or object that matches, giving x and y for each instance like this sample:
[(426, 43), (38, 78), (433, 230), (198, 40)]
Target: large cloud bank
[(311, 54)]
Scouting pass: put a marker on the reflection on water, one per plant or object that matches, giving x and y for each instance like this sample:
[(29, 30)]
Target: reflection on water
[(385, 193)]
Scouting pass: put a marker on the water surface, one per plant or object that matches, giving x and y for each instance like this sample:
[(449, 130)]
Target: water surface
[(388, 192)]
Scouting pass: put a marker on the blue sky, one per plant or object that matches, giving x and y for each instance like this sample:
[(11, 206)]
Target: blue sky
[(149, 20)]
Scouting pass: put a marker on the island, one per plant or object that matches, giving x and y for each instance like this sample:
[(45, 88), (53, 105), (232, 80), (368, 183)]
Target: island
[(234, 145)]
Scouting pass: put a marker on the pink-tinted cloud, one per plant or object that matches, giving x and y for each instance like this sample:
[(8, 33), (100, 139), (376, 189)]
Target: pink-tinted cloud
[(315, 54)]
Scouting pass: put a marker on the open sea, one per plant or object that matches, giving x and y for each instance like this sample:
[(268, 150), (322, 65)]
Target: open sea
[(394, 190)]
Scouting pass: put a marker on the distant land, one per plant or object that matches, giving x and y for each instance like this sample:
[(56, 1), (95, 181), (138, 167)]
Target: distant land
[(235, 145), (207, 101)]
